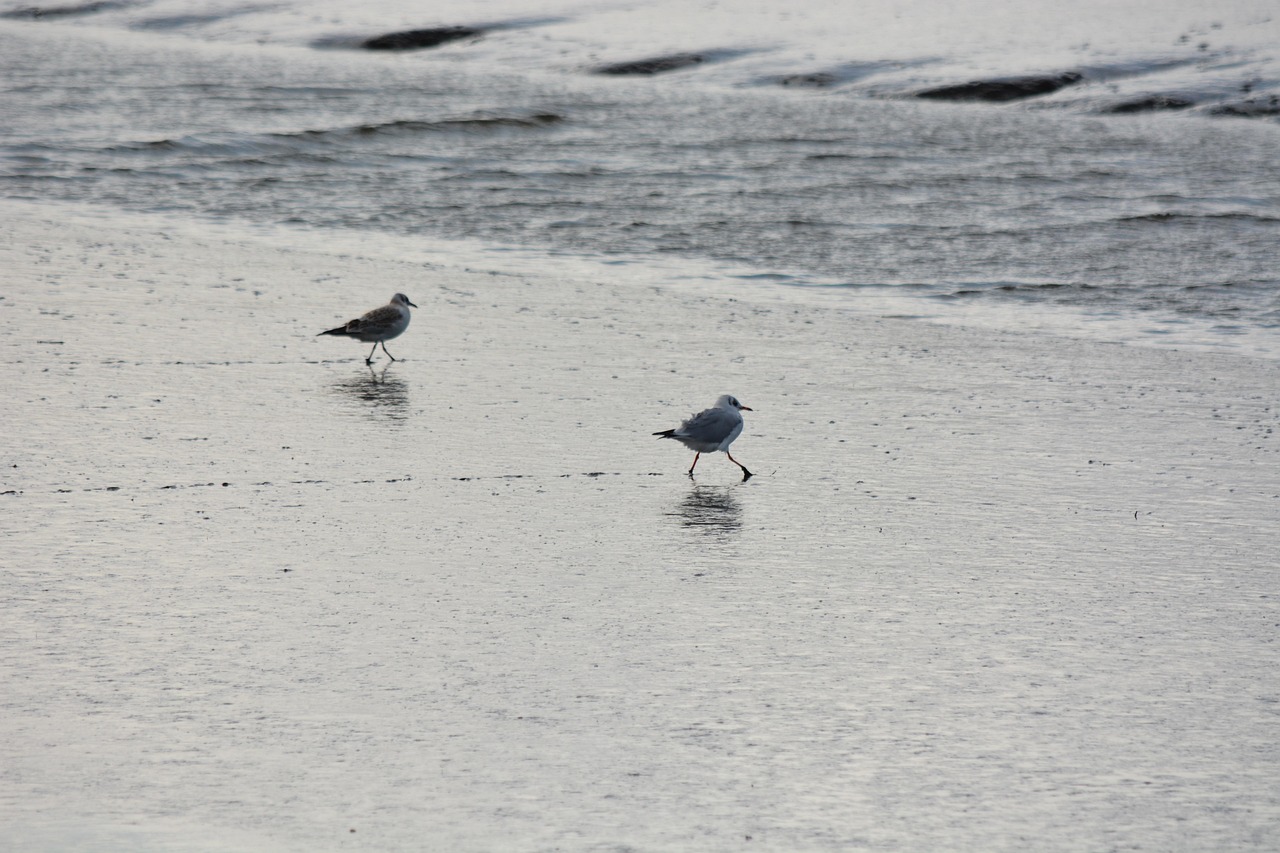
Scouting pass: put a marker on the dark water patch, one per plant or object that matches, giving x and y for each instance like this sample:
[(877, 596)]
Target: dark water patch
[(414, 126), (36, 13), (285, 142), (25, 155), (1178, 218), (1016, 287), (469, 124), (148, 145), (1003, 89), (1149, 104), (1261, 285), (152, 145), (816, 80), (245, 146), (766, 276), (654, 65), (429, 37), (419, 39), (1267, 107)]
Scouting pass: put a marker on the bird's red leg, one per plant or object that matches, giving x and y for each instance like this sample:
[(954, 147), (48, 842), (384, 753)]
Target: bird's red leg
[(695, 463), (746, 475)]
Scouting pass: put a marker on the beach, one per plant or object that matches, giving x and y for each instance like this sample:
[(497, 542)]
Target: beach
[(988, 590)]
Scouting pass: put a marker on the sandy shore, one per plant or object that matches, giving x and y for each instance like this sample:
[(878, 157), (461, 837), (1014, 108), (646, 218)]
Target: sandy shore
[(987, 592)]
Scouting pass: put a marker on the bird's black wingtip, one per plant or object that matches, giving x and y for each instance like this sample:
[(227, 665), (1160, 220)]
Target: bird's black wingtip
[(666, 433)]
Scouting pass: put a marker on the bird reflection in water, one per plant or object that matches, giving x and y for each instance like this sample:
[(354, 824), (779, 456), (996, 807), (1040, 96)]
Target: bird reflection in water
[(711, 509), (378, 393)]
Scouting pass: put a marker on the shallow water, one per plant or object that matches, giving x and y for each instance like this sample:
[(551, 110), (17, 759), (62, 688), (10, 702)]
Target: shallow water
[(986, 591), (1157, 228)]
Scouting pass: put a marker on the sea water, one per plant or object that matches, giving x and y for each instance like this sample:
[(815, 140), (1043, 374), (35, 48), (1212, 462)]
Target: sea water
[(1134, 203)]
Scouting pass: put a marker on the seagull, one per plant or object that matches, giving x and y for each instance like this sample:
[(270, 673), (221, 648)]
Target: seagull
[(712, 430), (379, 325)]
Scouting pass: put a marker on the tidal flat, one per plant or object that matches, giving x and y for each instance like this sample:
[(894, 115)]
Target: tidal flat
[(988, 590)]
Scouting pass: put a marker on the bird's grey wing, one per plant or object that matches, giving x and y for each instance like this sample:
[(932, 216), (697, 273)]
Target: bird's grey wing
[(712, 425), (387, 315)]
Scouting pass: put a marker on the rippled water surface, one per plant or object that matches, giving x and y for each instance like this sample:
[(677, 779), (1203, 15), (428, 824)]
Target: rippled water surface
[(767, 154)]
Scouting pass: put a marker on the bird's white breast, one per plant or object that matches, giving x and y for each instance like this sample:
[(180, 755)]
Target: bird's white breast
[(733, 433)]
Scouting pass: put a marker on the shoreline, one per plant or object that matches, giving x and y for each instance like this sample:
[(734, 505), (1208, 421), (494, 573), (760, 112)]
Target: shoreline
[(711, 279)]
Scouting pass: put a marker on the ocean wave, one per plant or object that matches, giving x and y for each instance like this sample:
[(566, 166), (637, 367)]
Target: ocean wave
[(1183, 218), (240, 143), (472, 124)]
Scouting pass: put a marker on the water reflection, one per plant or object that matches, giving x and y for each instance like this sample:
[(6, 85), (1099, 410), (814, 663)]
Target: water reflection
[(711, 509), (380, 393)]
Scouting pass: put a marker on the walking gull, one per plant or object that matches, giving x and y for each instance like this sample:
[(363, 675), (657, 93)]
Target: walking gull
[(379, 325), (712, 430)]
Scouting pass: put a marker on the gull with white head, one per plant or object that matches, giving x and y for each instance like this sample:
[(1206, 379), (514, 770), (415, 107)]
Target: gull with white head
[(379, 325), (711, 430)]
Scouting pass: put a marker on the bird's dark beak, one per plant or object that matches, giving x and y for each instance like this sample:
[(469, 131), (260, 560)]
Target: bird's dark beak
[(411, 305), (746, 408)]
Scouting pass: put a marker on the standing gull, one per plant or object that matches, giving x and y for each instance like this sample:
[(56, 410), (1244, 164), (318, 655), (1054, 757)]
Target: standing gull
[(712, 430), (379, 325)]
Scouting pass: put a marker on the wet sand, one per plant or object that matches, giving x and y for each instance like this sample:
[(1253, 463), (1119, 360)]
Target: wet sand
[(987, 591)]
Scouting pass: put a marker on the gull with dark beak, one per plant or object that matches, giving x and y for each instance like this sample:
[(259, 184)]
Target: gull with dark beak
[(379, 325)]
